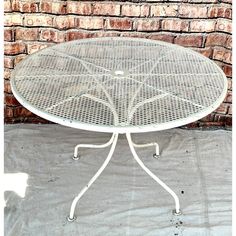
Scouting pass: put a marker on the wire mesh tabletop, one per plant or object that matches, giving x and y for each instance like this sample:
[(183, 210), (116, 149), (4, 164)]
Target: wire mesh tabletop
[(119, 84)]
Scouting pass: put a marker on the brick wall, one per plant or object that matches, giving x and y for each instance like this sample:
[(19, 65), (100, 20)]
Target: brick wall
[(203, 25)]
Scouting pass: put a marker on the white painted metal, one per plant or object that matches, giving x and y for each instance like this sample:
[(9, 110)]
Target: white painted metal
[(119, 85), (71, 217), (92, 146), (169, 190), (157, 152)]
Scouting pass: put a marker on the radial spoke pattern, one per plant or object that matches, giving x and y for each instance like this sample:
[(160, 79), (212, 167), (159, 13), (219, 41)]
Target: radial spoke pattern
[(119, 82)]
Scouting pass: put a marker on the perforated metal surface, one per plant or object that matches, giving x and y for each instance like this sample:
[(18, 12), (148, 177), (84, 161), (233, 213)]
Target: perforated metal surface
[(119, 84)]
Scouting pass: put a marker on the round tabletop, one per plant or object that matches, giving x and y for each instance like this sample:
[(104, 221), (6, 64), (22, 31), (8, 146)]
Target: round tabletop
[(119, 84)]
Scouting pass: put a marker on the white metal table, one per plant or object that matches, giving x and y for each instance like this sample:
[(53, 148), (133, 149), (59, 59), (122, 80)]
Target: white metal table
[(119, 85)]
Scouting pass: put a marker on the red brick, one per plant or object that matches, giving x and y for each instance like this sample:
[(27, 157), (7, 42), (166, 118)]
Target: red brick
[(7, 6), (229, 42), (34, 47), (230, 112), (19, 58), (8, 35), (215, 12), (110, 9), (229, 83), (8, 62), (175, 25), (222, 54), (192, 11), (135, 10), (73, 35), (24, 6), (120, 24), (7, 86), (7, 73), (202, 25), (10, 100), (52, 35), (207, 52), (133, 34), (148, 25), (228, 97), (38, 20), (26, 34), (56, 7), (78, 7), (164, 10), (105, 34), (21, 111), (216, 39), (13, 19), (162, 37), (90, 23), (189, 40), (8, 112), (14, 48), (222, 109), (227, 70), (64, 22), (224, 25)]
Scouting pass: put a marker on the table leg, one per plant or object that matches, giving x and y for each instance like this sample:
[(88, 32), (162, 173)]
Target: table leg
[(76, 155), (156, 154), (72, 217), (170, 191)]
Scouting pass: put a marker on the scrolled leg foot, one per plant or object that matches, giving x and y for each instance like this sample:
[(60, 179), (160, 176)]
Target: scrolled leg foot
[(71, 219), (174, 212), (76, 158)]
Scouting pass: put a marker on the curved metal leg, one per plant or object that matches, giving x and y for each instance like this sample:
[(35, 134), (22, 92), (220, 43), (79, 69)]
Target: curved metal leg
[(71, 217), (170, 191), (156, 154), (76, 156)]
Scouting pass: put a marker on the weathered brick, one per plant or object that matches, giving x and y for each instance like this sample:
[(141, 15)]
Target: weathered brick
[(110, 9), (52, 35), (73, 35), (26, 34), (229, 83), (189, 40), (228, 97), (10, 100), (216, 39), (222, 109), (7, 86), (207, 52), (148, 25), (222, 54), (78, 7), (56, 7), (8, 62), (34, 47), (64, 22), (215, 12), (7, 6), (224, 25), (119, 24), (13, 19), (8, 112), (22, 112), (106, 34), (19, 58), (14, 48), (227, 70), (90, 23), (164, 10), (8, 35), (192, 11), (24, 6), (202, 25), (175, 25), (230, 112), (132, 34), (38, 20), (162, 37), (7, 73), (229, 41), (130, 10)]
